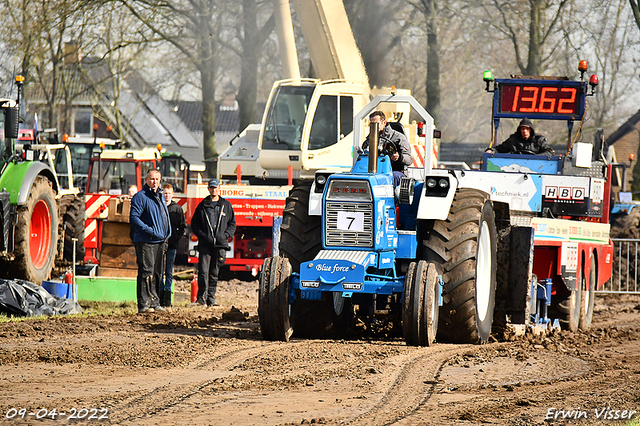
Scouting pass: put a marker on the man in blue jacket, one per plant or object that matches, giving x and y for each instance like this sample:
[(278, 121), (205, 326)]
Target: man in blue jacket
[(149, 219)]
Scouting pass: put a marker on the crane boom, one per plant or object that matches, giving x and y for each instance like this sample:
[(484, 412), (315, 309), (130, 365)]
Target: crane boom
[(308, 122), (332, 47), (284, 29)]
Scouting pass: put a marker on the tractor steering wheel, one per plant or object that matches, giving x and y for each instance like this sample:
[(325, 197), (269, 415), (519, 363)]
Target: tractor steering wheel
[(389, 148), (526, 151)]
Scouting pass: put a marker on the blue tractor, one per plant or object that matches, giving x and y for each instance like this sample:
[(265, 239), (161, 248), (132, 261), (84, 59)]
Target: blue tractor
[(354, 240), (425, 253)]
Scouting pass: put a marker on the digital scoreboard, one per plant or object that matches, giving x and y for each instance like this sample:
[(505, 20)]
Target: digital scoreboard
[(541, 99)]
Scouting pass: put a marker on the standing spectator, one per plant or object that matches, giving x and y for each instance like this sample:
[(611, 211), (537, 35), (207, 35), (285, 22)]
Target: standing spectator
[(178, 225), (133, 190), (149, 219), (213, 223)]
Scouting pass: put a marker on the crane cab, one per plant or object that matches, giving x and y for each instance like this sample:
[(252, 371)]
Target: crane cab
[(308, 124)]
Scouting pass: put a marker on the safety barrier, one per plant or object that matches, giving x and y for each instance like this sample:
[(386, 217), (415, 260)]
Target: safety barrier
[(625, 267)]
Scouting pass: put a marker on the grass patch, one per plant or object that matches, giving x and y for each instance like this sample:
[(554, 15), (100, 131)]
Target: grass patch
[(108, 308), (89, 308), (9, 318), (634, 422)]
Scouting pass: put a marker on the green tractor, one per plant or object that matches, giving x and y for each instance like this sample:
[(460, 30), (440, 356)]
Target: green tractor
[(39, 216)]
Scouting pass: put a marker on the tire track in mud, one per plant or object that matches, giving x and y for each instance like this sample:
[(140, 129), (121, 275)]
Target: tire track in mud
[(166, 396), (418, 379), (413, 386)]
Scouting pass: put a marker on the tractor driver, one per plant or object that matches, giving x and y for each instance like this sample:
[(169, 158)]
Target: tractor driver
[(393, 141), (524, 141)]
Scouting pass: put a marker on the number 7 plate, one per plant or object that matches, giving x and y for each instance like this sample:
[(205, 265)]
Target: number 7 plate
[(351, 221)]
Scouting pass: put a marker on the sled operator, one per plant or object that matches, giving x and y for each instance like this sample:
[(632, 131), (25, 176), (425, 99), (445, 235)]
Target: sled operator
[(524, 141)]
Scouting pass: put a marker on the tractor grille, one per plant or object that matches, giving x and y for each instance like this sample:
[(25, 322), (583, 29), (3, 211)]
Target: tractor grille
[(344, 238)]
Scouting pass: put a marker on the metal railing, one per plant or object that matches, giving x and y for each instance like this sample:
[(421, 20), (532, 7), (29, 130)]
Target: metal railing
[(625, 267)]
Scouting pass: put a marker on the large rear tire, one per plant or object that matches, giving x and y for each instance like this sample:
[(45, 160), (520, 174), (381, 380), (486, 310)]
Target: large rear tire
[(36, 234), (301, 234), (420, 307), (72, 212), (300, 241), (465, 245), (587, 299)]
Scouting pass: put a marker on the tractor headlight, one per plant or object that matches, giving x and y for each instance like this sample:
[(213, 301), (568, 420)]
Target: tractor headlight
[(321, 180), (437, 186)]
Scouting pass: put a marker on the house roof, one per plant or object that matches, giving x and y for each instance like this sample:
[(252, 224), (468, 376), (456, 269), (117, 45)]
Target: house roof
[(190, 112), (227, 119), (148, 119), (628, 126)]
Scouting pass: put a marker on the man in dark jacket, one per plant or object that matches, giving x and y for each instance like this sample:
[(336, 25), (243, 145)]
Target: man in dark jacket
[(213, 223), (524, 141), (394, 142), (149, 219), (178, 225)]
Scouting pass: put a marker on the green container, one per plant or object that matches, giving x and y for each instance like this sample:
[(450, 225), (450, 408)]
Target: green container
[(107, 289)]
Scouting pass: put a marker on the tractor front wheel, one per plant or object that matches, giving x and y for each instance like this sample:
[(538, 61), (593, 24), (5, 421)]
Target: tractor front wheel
[(566, 308), (420, 308), (273, 299), (588, 297)]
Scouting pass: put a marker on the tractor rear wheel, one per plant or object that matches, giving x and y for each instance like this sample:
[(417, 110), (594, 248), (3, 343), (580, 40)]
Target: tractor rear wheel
[(72, 212), (420, 304), (300, 241), (301, 234), (587, 299), (36, 234), (273, 302), (465, 245)]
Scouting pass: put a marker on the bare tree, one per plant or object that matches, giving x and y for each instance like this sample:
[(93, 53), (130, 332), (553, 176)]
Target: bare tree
[(193, 28), (528, 25), (429, 10), (115, 47), (251, 37), (37, 35), (378, 30), (18, 36), (636, 11)]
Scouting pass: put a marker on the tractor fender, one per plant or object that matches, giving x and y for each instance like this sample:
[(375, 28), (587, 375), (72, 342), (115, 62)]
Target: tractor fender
[(18, 178)]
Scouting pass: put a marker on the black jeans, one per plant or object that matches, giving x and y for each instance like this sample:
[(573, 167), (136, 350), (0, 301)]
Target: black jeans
[(150, 265), (210, 261)]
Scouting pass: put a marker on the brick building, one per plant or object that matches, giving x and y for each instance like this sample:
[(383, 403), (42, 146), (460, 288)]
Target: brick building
[(626, 140)]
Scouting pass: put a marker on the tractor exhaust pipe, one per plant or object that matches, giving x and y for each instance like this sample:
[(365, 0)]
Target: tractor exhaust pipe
[(373, 147)]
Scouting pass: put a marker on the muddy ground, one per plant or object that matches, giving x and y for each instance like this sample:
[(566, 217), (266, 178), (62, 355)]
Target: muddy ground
[(202, 366)]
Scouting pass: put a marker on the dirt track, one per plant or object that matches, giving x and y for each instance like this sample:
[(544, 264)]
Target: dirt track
[(210, 366)]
